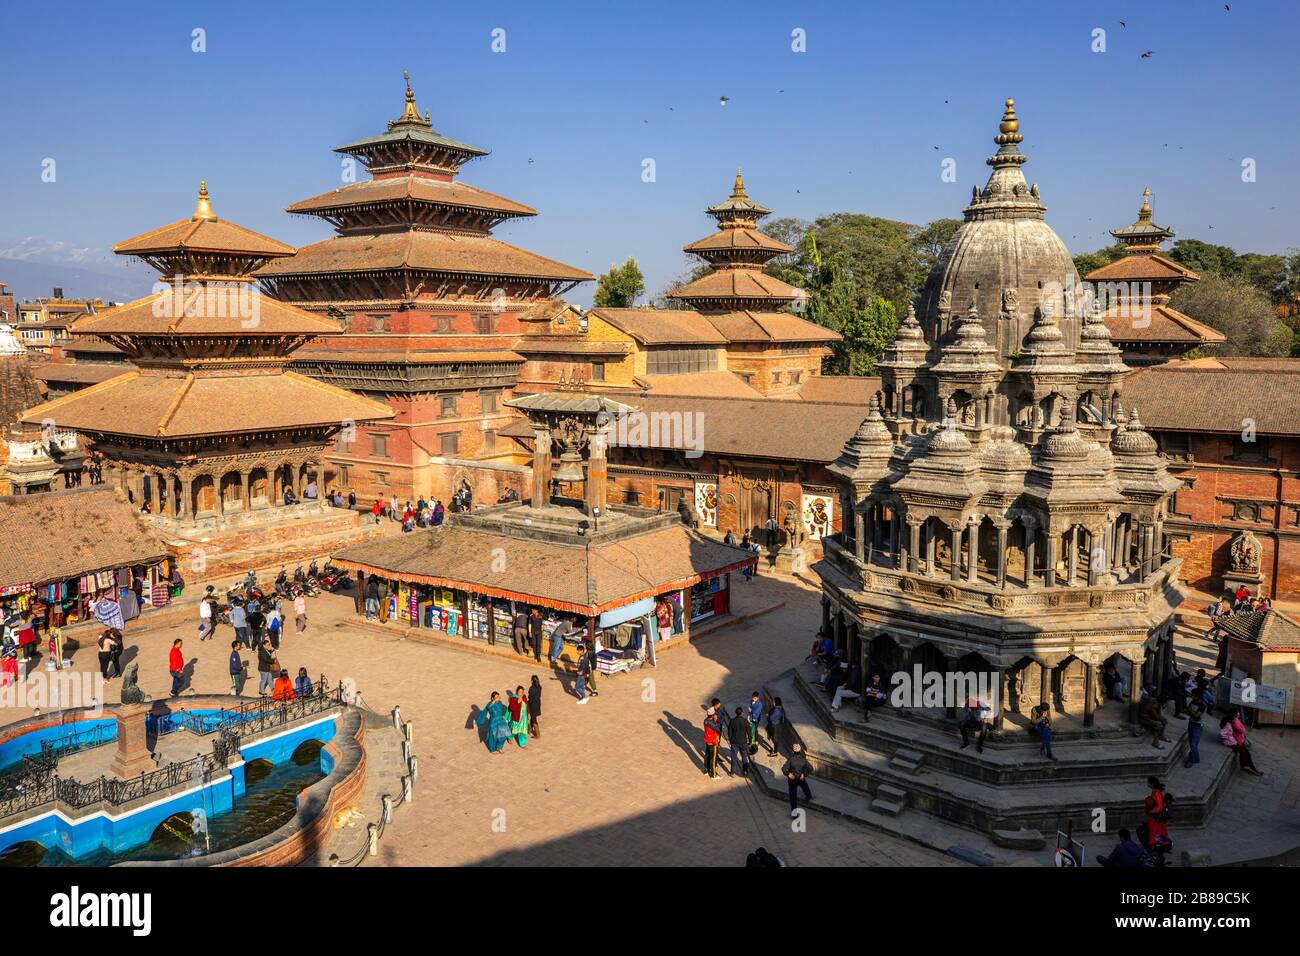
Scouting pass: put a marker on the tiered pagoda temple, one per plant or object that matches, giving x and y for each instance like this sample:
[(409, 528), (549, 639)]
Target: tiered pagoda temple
[(210, 429), (1006, 522), (431, 304), (744, 325), (1137, 290)]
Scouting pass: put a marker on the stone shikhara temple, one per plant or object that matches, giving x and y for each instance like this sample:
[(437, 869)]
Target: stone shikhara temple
[(209, 429), (1007, 521)]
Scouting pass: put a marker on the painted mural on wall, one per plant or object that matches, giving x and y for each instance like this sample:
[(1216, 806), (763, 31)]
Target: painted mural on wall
[(706, 502), (818, 512)]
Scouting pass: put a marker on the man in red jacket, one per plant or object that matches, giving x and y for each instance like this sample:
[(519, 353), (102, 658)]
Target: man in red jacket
[(176, 664), (712, 737)]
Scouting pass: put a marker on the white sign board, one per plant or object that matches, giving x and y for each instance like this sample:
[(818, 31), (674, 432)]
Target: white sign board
[(1260, 696)]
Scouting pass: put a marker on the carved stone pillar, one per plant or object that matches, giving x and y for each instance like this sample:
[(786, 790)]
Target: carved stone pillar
[(1089, 693), (1044, 683), (594, 487), (1135, 687), (914, 539), (973, 546), (1049, 572), (955, 556), (1003, 701), (930, 541), (246, 491), (1072, 562), (1031, 539), (859, 535), (1003, 527), (541, 467)]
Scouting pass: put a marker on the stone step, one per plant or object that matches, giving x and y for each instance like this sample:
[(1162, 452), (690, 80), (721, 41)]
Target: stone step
[(1022, 839), (908, 761), (891, 808)]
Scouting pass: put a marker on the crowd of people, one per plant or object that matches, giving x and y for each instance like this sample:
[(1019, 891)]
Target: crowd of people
[(514, 719)]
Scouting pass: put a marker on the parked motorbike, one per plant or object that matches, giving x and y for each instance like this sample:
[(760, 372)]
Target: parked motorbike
[(335, 579)]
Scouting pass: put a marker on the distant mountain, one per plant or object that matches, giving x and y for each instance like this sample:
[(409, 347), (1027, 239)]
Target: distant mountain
[(33, 267)]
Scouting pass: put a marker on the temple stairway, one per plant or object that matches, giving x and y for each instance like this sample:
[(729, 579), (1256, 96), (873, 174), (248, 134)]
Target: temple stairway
[(896, 764)]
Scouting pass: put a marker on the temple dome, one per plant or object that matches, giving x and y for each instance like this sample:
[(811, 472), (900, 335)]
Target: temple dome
[(1002, 246)]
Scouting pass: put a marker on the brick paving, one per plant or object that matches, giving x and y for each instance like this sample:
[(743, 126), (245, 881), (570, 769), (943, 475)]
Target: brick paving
[(616, 782)]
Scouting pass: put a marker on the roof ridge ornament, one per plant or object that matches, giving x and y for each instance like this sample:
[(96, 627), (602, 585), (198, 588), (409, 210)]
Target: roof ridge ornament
[(738, 189), (410, 111)]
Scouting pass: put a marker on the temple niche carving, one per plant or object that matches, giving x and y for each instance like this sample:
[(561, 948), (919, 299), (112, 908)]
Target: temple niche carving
[(1245, 552)]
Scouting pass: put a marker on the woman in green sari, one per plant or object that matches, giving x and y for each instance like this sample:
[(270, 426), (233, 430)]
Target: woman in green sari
[(519, 717), (494, 715)]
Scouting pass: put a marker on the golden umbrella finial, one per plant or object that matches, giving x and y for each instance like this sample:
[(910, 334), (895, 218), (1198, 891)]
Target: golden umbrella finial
[(738, 190), (203, 208), (412, 112), (1145, 211)]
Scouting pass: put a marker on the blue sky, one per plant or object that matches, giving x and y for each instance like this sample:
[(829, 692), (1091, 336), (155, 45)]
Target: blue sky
[(584, 92)]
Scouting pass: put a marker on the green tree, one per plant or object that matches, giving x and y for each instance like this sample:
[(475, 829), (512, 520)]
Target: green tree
[(1205, 258), (929, 241), (1085, 262), (1237, 309), (620, 287), (867, 332)]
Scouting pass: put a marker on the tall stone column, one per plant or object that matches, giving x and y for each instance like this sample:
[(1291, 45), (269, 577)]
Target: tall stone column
[(955, 535), (1089, 693), (1049, 559), (895, 540), (999, 712), (859, 536), (1072, 564), (246, 492), (1003, 527), (1031, 539), (1044, 683), (914, 538), (930, 541), (594, 488), (1134, 688), (973, 546), (541, 467)]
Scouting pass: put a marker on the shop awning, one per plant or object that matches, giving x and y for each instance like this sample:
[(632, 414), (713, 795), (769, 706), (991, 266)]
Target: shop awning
[(629, 613)]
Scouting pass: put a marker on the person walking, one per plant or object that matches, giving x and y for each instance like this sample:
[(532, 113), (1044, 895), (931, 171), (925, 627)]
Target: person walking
[(797, 770), (534, 706), (775, 718), (205, 618), (300, 613), (535, 633), (493, 718), (376, 510), (738, 738), (1232, 731), (712, 737), (267, 666), (589, 656), (256, 623), (274, 630), (755, 716), (236, 670), (580, 682), (176, 665), (518, 707), (105, 653)]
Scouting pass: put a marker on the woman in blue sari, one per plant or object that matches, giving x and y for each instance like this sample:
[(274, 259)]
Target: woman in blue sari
[(493, 715)]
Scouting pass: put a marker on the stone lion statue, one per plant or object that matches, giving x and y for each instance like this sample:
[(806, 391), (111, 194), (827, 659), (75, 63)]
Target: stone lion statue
[(131, 692)]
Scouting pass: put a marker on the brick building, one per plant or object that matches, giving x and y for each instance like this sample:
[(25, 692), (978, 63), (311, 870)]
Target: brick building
[(1229, 430)]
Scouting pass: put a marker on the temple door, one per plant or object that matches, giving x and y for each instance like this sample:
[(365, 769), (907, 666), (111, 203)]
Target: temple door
[(753, 508)]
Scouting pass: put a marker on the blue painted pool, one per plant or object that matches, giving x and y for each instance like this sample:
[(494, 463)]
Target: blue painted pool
[(107, 833)]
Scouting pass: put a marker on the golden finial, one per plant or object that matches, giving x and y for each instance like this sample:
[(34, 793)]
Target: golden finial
[(1145, 211), (738, 190), (203, 208), (411, 114), (1009, 128)]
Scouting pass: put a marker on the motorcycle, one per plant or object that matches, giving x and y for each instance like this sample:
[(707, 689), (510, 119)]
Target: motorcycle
[(311, 588), (281, 579), (335, 579)]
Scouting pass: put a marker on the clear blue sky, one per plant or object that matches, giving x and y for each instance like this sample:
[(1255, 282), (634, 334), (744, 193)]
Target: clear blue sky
[(586, 91)]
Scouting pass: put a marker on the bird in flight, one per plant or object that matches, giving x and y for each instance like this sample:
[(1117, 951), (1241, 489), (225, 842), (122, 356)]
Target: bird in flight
[(724, 100), (1123, 24), (1148, 54)]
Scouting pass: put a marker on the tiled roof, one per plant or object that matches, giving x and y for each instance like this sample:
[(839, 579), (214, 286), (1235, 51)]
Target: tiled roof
[(87, 344), (763, 427), (737, 239), (426, 251), (78, 374), (1153, 267), (218, 310), (663, 326), (1217, 395), (569, 345), (840, 390), (1268, 628), (575, 576), (747, 326), (204, 235), (704, 384), (65, 534), (736, 284), (412, 187), (1158, 323), (166, 405)]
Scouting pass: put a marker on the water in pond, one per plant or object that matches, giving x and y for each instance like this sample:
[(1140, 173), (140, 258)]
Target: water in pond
[(270, 800)]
